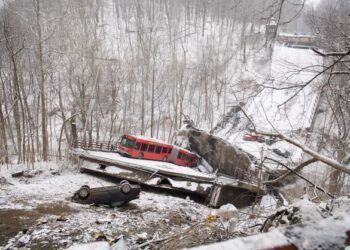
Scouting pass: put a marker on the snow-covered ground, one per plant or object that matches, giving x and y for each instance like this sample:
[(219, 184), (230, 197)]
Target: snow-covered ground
[(36, 212), (284, 105), (320, 227)]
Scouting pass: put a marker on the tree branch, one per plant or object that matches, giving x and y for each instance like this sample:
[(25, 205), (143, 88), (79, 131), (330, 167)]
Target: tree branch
[(326, 54), (300, 166), (330, 162), (302, 177)]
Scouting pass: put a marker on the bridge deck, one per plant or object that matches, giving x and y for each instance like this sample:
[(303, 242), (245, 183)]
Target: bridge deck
[(166, 175)]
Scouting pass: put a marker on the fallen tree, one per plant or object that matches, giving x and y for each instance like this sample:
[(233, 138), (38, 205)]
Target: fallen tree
[(317, 156)]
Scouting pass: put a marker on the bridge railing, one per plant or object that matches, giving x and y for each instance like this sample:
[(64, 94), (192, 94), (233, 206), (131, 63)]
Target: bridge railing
[(94, 145), (313, 112)]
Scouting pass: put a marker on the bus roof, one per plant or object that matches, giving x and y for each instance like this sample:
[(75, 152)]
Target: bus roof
[(147, 139)]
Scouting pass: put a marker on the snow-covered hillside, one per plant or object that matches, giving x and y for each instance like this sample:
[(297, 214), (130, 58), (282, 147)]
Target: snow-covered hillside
[(284, 105)]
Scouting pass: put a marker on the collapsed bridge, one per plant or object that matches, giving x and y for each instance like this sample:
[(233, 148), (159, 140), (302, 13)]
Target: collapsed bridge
[(99, 158)]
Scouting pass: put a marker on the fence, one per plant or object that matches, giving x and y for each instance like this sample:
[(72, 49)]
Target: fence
[(94, 145)]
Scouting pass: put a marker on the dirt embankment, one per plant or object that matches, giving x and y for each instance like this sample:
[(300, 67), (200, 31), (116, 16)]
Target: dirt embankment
[(13, 221)]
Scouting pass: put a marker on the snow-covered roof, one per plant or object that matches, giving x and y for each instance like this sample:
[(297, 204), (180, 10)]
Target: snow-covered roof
[(148, 139)]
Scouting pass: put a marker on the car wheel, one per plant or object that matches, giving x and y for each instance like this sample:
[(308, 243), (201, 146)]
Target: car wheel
[(123, 181), (164, 158), (140, 156), (84, 192), (125, 188)]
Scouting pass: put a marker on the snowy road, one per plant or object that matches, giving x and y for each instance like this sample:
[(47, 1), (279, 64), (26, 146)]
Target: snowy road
[(291, 69)]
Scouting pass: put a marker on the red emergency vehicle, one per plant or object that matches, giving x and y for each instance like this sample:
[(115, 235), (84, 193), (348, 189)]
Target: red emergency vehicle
[(151, 149)]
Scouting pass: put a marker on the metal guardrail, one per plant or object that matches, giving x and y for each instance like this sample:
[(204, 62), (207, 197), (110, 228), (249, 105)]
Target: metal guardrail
[(313, 110), (94, 145)]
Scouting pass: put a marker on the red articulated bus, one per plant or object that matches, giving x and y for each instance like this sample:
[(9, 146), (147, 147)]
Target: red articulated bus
[(151, 149)]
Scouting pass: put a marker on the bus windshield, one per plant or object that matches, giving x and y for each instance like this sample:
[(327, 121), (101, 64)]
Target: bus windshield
[(127, 142)]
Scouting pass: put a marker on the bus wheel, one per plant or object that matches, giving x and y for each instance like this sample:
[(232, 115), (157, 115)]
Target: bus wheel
[(164, 158), (140, 156)]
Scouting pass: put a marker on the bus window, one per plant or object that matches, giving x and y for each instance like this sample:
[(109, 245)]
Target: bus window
[(165, 150), (179, 156), (158, 149), (169, 150), (137, 145), (144, 147), (127, 142), (151, 148)]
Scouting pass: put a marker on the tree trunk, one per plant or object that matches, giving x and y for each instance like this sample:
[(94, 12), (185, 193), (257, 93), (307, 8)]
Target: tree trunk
[(45, 139), (3, 138), (152, 98), (16, 111)]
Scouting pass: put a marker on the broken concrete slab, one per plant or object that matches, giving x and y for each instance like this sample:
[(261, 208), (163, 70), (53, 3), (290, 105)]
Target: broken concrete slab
[(216, 189), (224, 157)]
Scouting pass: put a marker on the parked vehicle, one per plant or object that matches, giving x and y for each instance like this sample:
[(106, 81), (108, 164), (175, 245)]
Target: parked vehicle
[(253, 137), (117, 195), (285, 154), (270, 140), (152, 149)]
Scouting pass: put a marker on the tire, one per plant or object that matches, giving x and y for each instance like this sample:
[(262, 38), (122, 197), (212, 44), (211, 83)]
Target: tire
[(125, 188), (123, 181), (140, 156), (84, 192), (165, 158), (75, 197)]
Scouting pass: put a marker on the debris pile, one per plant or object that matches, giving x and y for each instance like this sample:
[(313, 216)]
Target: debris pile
[(26, 173), (297, 213)]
